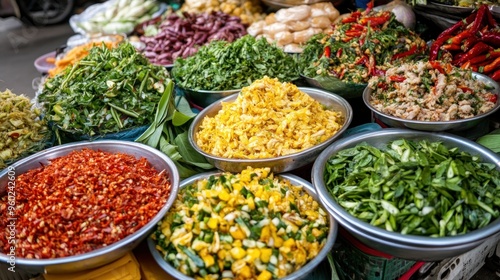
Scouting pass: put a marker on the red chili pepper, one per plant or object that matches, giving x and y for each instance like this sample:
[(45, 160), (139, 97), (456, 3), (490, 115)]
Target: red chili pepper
[(361, 60), (383, 86), (451, 47), (481, 12), (478, 59), (374, 21), (493, 97), (496, 76), (465, 89), (466, 65), (436, 45), (492, 38), (369, 6), (492, 66), (339, 52), (353, 33), (478, 49), (490, 19), (457, 39), (349, 19), (495, 53), (407, 53), (346, 39), (459, 24), (469, 42), (327, 51), (437, 65), (397, 78)]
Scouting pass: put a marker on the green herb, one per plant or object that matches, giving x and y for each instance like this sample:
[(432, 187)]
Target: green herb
[(224, 66), (107, 91), (415, 187), (168, 133)]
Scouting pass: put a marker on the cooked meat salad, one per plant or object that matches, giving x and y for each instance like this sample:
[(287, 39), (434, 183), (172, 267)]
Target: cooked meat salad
[(430, 91)]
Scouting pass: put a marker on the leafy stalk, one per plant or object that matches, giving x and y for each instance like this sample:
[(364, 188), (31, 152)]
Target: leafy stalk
[(169, 133)]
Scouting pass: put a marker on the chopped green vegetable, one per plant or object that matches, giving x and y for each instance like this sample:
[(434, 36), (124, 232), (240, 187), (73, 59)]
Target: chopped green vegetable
[(415, 187), (223, 66), (22, 132), (107, 91)]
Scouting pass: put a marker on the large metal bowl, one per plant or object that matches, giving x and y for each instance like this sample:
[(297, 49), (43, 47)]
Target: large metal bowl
[(454, 125), (205, 98), (111, 252), (277, 164), (300, 274), (403, 246)]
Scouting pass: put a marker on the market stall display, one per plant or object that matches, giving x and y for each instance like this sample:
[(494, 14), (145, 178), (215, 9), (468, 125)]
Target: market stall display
[(23, 131), (473, 43), (269, 124), (432, 96), (236, 103), (181, 35), (115, 16), (362, 45), (248, 10), (108, 91), (421, 204), (251, 225), (291, 27), (69, 235)]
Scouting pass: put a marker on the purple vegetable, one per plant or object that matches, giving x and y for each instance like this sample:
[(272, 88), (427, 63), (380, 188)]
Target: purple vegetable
[(181, 36)]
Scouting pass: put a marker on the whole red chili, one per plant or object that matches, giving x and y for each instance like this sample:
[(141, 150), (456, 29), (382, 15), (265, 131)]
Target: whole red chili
[(478, 49), (83, 201), (436, 45), (407, 53), (492, 38), (457, 26), (496, 76), (481, 12), (493, 66)]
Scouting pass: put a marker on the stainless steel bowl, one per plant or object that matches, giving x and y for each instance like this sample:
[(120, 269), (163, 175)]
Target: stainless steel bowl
[(300, 274), (111, 252), (205, 98), (454, 125), (332, 84), (278, 164), (403, 246)]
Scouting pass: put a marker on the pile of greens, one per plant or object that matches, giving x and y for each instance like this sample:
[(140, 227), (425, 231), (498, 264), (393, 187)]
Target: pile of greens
[(223, 66), (106, 92), (415, 187)]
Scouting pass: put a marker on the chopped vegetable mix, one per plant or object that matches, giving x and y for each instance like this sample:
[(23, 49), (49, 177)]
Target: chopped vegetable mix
[(107, 91), (415, 187), (22, 131), (221, 65), (251, 225), (361, 46)]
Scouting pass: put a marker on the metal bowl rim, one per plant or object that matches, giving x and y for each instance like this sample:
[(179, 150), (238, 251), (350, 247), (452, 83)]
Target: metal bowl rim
[(174, 183), (339, 99), (209, 91), (295, 180), (367, 94), (374, 232)]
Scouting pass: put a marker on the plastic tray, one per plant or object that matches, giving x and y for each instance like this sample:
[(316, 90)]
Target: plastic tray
[(354, 260)]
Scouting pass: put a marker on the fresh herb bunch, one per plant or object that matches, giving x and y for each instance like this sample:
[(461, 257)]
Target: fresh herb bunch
[(415, 187), (221, 65), (107, 91)]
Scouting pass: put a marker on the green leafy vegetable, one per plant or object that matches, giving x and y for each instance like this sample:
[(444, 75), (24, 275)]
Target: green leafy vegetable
[(169, 133), (106, 92), (224, 66), (415, 187)]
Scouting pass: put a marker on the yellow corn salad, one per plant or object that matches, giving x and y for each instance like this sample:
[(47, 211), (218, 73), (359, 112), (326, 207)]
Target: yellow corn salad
[(268, 119), (251, 225)]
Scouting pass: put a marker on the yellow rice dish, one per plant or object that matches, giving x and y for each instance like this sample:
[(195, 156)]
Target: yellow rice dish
[(268, 119)]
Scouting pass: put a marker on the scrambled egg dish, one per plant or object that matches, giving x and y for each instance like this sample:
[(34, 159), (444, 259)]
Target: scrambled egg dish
[(268, 119)]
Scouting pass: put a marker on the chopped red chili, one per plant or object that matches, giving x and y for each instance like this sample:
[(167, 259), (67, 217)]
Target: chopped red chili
[(85, 200)]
